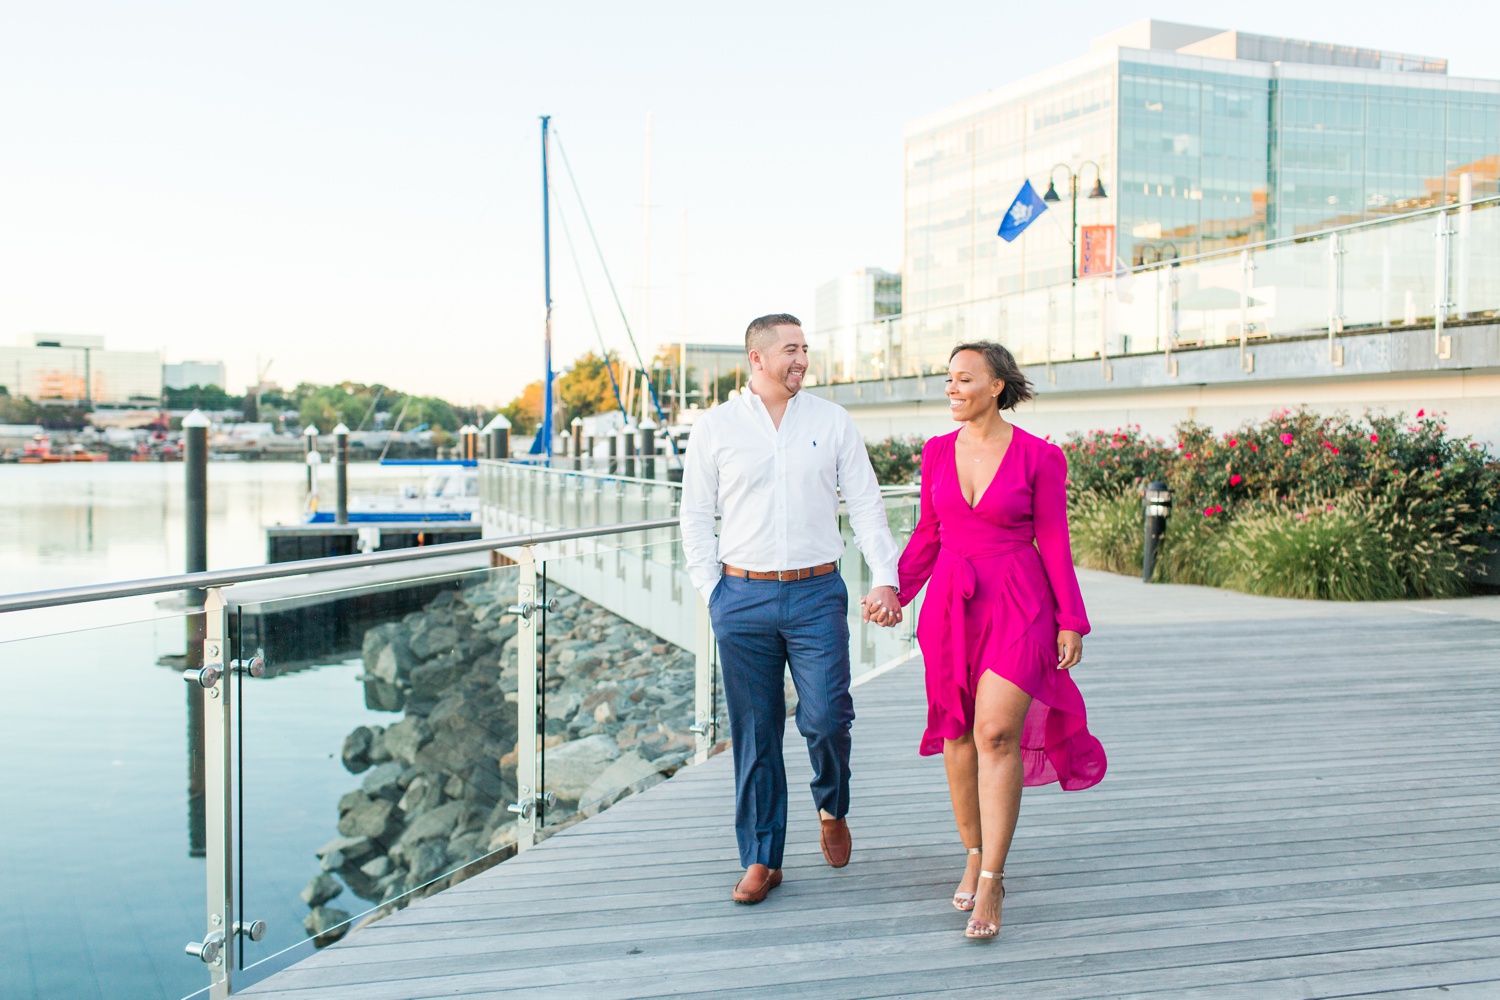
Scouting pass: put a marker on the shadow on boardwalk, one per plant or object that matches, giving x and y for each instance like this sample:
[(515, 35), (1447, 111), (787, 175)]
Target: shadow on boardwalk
[(1302, 802)]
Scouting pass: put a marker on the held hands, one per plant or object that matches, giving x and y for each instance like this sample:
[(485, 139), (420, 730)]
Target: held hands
[(881, 606), (1069, 649)]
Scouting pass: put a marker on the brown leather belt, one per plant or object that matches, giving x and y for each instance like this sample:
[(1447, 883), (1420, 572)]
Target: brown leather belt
[(784, 575)]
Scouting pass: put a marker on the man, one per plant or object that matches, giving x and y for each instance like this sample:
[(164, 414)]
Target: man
[(774, 461)]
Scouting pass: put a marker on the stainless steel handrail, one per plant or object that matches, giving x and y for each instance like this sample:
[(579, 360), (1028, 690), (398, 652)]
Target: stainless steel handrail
[(274, 571)]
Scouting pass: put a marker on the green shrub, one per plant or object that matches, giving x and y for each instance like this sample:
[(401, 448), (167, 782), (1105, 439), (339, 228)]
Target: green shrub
[(1106, 530), (896, 459), (1296, 505), (1334, 553)]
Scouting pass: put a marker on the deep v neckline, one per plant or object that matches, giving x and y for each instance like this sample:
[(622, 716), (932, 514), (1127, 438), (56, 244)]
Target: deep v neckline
[(958, 479)]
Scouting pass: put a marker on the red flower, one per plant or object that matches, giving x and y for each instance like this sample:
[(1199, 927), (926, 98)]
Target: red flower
[(1286, 439), (1211, 511), (1254, 446), (1421, 414), (1236, 479), (1188, 455), (1234, 442), (1374, 437)]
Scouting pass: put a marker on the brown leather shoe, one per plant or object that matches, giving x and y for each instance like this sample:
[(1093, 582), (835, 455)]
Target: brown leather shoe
[(836, 842), (757, 884)]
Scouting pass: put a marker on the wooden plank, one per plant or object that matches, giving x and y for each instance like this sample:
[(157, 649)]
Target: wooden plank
[(1306, 812)]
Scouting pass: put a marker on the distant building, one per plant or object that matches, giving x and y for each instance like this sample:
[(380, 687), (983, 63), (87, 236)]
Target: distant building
[(1203, 139), (839, 306), (74, 369), (187, 374)]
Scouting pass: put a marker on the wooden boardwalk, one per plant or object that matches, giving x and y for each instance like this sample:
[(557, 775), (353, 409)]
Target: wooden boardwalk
[(1296, 806)]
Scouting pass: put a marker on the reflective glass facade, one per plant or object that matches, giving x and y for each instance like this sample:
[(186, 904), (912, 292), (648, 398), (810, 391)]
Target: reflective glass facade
[(1199, 148)]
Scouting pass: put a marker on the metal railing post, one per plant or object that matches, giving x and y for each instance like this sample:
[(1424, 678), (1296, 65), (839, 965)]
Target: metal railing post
[(705, 680), (1247, 267), (220, 943), (1335, 299), (1442, 343), (528, 734)]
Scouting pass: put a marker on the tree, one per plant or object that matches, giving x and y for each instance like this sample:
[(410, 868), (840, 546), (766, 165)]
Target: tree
[(200, 397), (586, 389), (525, 411)]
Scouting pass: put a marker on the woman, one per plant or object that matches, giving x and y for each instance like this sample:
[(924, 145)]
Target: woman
[(1003, 621)]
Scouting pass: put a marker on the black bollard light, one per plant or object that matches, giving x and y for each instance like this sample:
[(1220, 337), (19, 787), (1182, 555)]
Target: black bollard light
[(341, 474), (1158, 506), (614, 449), (195, 462), (576, 426)]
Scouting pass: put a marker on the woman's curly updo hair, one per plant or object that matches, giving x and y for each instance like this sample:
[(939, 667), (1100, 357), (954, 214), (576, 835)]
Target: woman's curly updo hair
[(1002, 365)]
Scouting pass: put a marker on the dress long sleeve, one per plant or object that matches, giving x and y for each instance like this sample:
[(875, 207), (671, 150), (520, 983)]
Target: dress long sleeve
[(1050, 517), (922, 549)]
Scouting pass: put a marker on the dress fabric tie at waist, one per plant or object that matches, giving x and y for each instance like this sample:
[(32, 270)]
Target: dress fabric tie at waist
[(964, 581)]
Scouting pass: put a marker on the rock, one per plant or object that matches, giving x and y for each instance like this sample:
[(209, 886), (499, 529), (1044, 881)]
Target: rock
[(356, 753), (405, 738), (377, 869), (376, 819), (384, 781), (421, 795), (428, 861), (572, 767), (563, 705), (333, 861), (321, 889), (500, 836), (604, 712), (626, 772), (351, 848), (352, 800), (434, 640), (326, 924), (430, 680), (431, 825), (387, 654)]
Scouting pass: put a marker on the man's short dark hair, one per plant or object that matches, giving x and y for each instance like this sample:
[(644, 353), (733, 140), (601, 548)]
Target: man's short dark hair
[(1002, 365), (761, 333)]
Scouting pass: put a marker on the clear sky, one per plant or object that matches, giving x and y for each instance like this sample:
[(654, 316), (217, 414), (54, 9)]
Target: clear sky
[(353, 188)]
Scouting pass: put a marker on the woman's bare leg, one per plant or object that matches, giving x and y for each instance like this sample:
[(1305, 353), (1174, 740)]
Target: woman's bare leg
[(961, 761), (999, 713)]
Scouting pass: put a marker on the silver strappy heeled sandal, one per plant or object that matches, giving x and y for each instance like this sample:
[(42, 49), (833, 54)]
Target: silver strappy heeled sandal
[(964, 901), (984, 930)]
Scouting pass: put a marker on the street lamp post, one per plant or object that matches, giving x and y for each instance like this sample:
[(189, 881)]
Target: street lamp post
[(1052, 197)]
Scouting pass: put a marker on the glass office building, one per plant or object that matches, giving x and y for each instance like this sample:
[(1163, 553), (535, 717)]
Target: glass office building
[(1203, 139)]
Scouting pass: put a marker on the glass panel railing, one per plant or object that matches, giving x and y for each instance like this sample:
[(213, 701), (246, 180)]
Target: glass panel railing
[(102, 841), (1389, 274), (377, 754), (1381, 274), (1476, 263), (617, 659), (871, 646)]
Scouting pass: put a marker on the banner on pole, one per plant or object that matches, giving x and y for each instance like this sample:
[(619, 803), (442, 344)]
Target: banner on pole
[(1096, 250)]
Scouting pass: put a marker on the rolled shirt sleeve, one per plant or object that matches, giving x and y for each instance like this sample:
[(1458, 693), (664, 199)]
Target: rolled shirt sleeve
[(700, 502), (861, 493)]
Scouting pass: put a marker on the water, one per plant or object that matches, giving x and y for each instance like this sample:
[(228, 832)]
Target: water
[(98, 873)]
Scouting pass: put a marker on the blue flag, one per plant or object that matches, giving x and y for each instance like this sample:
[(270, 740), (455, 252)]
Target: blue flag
[(1022, 212)]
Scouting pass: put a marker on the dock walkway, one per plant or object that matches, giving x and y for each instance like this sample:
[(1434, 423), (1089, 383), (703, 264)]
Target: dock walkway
[(1302, 801)]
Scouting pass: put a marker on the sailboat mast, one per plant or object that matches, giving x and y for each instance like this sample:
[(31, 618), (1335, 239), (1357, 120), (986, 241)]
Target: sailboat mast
[(546, 429), (646, 253)]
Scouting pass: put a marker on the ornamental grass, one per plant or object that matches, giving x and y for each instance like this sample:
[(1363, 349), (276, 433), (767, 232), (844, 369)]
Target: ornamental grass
[(1299, 505)]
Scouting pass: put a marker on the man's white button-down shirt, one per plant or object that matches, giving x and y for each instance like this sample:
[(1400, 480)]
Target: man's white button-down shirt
[(778, 491)]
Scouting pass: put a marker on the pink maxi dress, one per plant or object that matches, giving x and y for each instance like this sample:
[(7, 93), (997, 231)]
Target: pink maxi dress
[(1000, 584)]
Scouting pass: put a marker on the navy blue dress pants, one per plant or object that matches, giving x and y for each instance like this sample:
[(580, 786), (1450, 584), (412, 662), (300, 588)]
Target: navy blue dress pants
[(762, 627)]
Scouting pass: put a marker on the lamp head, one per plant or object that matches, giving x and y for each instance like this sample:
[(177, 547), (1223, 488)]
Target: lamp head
[(1098, 191), (1051, 195)]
